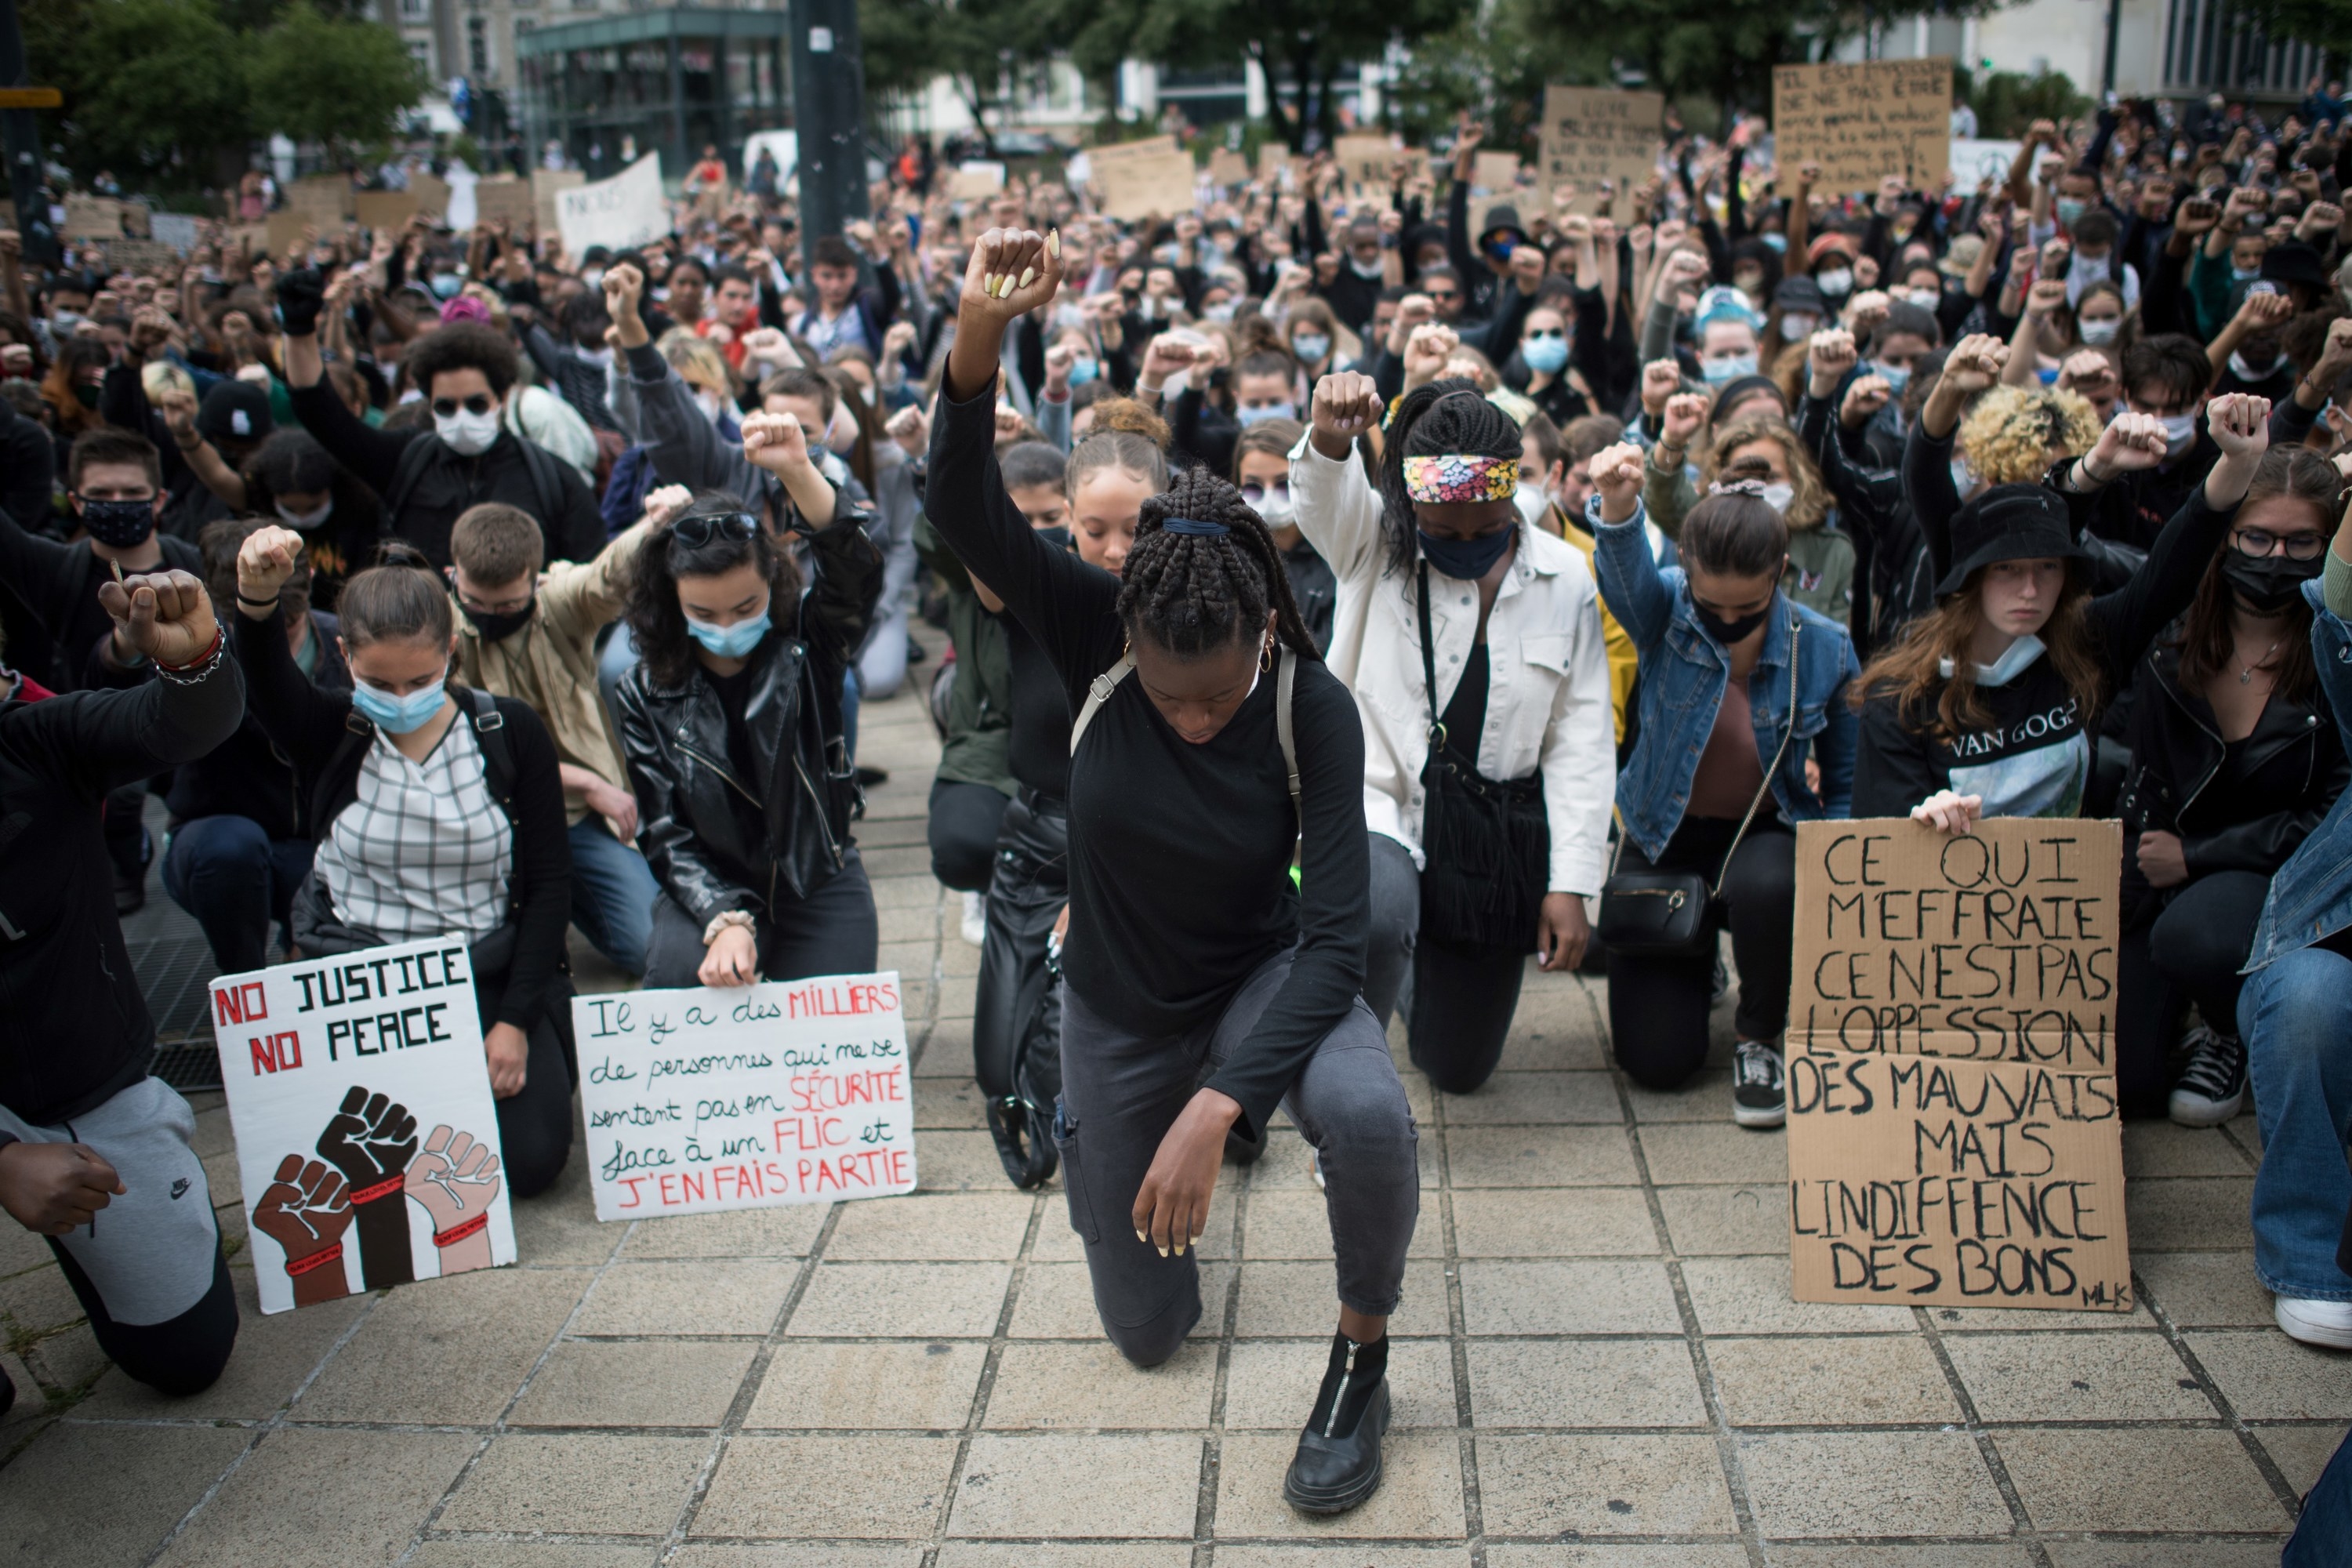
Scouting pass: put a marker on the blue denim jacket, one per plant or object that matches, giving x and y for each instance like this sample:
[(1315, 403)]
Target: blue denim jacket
[(1684, 672), (2311, 895)]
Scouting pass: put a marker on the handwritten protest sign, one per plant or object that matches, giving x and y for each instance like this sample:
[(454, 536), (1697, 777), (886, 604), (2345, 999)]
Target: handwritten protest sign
[(1593, 134), (627, 210), (1111, 153), (1974, 161), (1161, 185), (367, 1141), (152, 256), (386, 210), (1953, 1131), (177, 230), (1227, 167), (544, 184), (703, 1100), (92, 217), (330, 196), (504, 198), (1364, 161), (432, 194), (1861, 122), (976, 180)]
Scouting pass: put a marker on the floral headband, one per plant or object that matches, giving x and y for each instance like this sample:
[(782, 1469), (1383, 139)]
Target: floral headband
[(1454, 476)]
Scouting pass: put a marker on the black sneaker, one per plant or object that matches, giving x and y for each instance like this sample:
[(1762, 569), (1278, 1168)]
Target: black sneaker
[(1759, 1095), (867, 778), (2212, 1089)]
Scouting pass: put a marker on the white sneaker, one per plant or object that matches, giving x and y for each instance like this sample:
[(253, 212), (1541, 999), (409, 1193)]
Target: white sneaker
[(975, 917), (2327, 1325)]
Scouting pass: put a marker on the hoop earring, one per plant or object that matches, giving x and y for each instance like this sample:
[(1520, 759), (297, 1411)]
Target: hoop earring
[(1266, 654)]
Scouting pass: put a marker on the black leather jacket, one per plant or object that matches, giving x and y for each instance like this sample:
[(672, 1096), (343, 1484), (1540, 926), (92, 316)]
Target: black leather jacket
[(674, 739), (2294, 768)]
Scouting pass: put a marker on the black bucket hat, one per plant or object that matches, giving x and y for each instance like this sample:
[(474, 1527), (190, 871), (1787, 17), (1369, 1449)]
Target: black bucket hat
[(2012, 522)]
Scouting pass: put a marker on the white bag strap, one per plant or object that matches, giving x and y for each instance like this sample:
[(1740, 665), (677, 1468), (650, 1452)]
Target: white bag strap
[(1097, 694), (1285, 682)]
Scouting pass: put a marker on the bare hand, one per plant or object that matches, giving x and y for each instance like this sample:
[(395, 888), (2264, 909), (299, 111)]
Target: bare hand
[(166, 615), (1948, 812), (1617, 474), (732, 960), (53, 1188), (1864, 396), (1661, 379), (1171, 1207), (2131, 442), (775, 442), (2161, 860), (508, 1050), (1562, 932), (623, 288), (1975, 363), (1011, 272), (1345, 405), (264, 561)]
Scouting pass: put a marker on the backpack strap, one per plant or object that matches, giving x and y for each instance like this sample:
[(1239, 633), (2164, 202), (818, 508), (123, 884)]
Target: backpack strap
[(1283, 732), (405, 473), (546, 487), (1097, 694), (498, 756)]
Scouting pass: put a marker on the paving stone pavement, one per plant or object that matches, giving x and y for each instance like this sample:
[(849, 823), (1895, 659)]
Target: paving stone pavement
[(1597, 1364)]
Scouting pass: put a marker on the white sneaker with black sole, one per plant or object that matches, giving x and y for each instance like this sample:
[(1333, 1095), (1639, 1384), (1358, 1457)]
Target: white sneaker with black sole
[(2212, 1087), (2327, 1325), (1759, 1092), (975, 918)]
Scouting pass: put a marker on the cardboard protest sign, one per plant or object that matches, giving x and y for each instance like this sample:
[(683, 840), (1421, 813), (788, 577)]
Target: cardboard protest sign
[(544, 184), (386, 210), (432, 194), (367, 1140), (1953, 1132), (148, 255), (975, 181), (287, 227), (1861, 122), (704, 1101), (1159, 186), (627, 210), (1367, 161), (176, 230), (92, 217), (1111, 153), (504, 198), (332, 196), (1494, 173), (1227, 167), (1596, 133)]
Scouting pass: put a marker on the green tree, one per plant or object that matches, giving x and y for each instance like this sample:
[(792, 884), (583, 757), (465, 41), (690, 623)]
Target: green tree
[(983, 46), (153, 87), (331, 79)]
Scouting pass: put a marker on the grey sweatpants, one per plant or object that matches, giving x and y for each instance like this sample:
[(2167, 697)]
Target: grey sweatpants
[(1122, 1091)]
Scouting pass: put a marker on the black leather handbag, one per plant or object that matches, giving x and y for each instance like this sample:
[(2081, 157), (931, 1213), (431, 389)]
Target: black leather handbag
[(1663, 914), (1486, 843)]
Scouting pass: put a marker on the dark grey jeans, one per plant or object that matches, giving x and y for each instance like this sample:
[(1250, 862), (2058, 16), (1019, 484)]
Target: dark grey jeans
[(1121, 1092), (1458, 1015)]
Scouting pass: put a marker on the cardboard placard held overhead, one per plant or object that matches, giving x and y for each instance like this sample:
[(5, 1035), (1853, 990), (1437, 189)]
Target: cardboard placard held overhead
[(1227, 167), (975, 181), (627, 210), (432, 194), (1862, 122), (544, 184), (386, 210), (1953, 1138), (177, 230), (92, 217), (504, 198), (1365, 161), (367, 1141), (152, 256), (790, 1092), (1122, 152), (1494, 173), (1593, 134), (1157, 186), (288, 225), (331, 196)]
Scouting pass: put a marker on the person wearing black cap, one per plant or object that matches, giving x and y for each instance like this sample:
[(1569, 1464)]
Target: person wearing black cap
[(1987, 705), (1797, 311)]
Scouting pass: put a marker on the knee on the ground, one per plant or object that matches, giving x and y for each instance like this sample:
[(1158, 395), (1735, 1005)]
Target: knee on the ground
[(2303, 1000)]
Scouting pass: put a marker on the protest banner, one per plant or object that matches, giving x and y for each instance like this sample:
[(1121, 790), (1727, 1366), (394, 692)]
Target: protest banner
[(1974, 161), (1161, 185), (1953, 1138), (152, 256), (1227, 167), (92, 217), (1861, 122), (1593, 134), (975, 181), (367, 1140), (432, 194), (288, 225), (386, 210), (1366, 162), (544, 183), (331, 196), (627, 210), (699, 1100), (1494, 173), (1110, 152), (177, 230), (504, 198)]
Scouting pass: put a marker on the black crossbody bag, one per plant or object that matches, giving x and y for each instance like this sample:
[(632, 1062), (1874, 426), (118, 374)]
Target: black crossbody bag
[(1660, 914), (1486, 846)]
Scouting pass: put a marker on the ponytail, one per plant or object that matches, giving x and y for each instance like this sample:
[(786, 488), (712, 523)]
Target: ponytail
[(398, 599)]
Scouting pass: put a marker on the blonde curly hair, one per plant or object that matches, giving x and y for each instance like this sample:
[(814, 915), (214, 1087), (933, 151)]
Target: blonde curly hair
[(2008, 437), (1809, 506)]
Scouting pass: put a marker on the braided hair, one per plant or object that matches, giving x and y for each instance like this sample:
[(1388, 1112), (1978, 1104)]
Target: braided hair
[(1194, 594), (1446, 416)]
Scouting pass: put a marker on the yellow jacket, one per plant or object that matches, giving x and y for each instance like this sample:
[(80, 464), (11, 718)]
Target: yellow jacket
[(1622, 662)]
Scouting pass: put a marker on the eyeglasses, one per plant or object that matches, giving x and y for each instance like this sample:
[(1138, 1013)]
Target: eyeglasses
[(694, 533), (447, 408), (2257, 543), (1446, 293)]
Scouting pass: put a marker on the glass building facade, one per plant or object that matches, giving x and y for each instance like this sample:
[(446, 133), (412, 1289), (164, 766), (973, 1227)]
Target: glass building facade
[(616, 87)]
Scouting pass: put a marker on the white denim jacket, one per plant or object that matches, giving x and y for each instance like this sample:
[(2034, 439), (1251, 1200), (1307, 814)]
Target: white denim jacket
[(1548, 705)]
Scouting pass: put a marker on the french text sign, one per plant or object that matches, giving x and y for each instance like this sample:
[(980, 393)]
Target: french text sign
[(367, 1140), (1953, 1131), (627, 210), (1861, 122), (787, 1093), (1596, 133)]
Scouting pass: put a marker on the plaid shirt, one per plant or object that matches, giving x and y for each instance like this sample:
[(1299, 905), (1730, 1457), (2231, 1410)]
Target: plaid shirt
[(423, 850)]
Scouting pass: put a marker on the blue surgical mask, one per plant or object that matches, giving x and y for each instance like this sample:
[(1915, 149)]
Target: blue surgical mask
[(1719, 371), (1777, 241), (1465, 560), (1545, 355), (1083, 371), (1310, 347), (731, 642), (396, 715), (1258, 416), (1897, 376), (2070, 211), (1964, 478), (445, 284)]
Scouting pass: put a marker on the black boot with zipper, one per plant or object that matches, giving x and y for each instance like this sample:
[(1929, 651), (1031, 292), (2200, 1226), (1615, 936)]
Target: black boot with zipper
[(1337, 1463)]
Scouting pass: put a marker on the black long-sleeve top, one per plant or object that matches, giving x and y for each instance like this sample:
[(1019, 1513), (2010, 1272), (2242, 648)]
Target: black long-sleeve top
[(77, 1029), (307, 721), (1180, 854), (59, 582)]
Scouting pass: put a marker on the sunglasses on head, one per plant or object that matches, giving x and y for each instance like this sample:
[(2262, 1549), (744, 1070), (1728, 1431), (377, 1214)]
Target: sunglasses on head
[(447, 408), (697, 532)]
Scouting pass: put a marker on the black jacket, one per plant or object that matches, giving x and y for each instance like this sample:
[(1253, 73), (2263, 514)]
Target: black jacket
[(2293, 769), (541, 483), (674, 739), (56, 582), (77, 1030), (311, 724)]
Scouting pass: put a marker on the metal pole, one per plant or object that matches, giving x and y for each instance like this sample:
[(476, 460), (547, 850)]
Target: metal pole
[(828, 117), (2115, 26), (22, 130)]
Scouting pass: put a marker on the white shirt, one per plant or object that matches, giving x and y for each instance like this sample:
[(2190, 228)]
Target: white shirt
[(1548, 705), (423, 850)]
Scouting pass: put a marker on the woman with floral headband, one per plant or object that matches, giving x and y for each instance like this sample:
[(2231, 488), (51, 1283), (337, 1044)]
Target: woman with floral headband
[(1474, 644)]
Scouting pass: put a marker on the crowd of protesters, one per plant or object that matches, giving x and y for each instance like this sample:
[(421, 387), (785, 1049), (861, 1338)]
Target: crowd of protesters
[(1350, 591)]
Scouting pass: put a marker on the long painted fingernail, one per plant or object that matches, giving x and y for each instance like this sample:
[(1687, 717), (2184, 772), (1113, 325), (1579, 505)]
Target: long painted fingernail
[(1053, 243), (1143, 1238), (1180, 1249), (1009, 285), (1163, 1252), (1028, 276)]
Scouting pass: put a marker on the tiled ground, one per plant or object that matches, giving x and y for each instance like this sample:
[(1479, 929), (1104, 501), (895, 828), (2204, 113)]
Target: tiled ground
[(1597, 1364)]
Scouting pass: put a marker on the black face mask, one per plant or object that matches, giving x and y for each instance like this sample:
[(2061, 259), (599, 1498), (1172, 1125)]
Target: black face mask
[(2265, 584), (1728, 632), (498, 627), (118, 524)]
